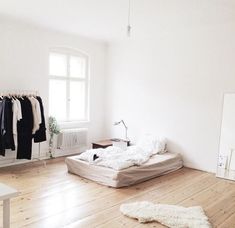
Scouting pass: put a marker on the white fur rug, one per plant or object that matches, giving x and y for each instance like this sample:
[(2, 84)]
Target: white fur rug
[(169, 215)]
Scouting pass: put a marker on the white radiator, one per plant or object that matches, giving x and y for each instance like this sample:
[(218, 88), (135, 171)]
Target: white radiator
[(72, 138)]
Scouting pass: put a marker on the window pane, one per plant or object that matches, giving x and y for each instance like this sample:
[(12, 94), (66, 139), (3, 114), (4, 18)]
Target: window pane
[(58, 64), (77, 67), (57, 101), (77, 100)]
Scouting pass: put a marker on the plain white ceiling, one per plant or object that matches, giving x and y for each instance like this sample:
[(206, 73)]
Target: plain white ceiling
[(107, 19)]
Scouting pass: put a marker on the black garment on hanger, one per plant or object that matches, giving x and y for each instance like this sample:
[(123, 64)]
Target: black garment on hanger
[(40, 135), (24, 130), (8, 119), (2, 127)]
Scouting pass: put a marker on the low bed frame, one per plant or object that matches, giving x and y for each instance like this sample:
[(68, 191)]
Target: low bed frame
[(156, 166)]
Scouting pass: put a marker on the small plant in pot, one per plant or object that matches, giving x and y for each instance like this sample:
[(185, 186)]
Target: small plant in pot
[(53, 130)]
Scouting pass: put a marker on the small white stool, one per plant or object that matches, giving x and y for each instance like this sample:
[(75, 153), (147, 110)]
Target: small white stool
[(6, 193)]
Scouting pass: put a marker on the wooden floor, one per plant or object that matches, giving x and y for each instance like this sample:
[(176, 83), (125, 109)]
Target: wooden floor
[(50, 197)]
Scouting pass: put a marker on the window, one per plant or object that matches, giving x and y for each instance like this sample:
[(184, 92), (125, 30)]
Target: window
[(68, 86)]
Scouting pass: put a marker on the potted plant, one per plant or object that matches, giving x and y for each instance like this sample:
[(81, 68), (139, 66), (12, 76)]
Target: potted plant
[(53, 130)]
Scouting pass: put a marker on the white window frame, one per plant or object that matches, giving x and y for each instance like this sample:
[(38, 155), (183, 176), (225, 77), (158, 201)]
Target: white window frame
[(72, 53)]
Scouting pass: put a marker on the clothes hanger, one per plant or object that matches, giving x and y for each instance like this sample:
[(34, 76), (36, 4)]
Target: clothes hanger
[(14, 96), (21, 96)]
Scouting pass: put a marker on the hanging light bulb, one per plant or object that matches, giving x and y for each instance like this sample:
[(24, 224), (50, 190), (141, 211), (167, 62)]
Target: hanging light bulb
[(129, 20), (128, 30)]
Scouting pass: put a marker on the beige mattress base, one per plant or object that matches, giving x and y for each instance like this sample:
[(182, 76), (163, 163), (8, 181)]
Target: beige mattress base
[(156, 166)]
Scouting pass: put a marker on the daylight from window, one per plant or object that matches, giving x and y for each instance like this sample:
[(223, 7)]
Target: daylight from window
[(68, 86)]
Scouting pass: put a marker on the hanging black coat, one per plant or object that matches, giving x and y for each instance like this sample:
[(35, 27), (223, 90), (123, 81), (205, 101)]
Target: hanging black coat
[(2, 127), (8, 118), (40, 135), (6, 134), (24, 130)]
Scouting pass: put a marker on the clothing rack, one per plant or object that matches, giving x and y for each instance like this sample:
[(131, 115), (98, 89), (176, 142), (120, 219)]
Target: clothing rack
[(19, 93), (23, 93)]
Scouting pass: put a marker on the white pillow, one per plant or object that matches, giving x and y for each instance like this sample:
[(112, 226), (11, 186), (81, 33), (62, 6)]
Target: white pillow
[(160, 146), (152, 144)]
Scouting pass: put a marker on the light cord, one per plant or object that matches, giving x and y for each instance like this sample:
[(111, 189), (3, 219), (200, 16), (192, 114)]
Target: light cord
[(129, 20)]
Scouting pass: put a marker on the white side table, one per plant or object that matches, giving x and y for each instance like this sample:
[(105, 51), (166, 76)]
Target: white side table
[(6, 193)]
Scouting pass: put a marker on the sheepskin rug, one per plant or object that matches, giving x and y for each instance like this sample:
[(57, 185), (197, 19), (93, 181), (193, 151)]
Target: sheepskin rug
[(169, 215)]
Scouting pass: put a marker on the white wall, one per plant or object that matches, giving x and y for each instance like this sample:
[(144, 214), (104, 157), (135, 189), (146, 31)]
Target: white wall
[(169, 78), (24, 66)]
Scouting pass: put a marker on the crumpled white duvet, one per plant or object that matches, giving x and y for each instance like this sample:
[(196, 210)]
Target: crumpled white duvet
[(116, 158)]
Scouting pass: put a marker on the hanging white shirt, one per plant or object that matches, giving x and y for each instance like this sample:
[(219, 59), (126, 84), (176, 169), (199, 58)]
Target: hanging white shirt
[(37, 119), (17, 116)]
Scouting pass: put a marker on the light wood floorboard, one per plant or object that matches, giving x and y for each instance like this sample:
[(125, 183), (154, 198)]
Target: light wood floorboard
[(51, 197)]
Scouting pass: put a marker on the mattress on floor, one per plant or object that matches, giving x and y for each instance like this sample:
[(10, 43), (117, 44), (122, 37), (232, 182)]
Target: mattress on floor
[(157, 165)]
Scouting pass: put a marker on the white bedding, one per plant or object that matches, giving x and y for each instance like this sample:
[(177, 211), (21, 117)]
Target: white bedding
[(118, 159)]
